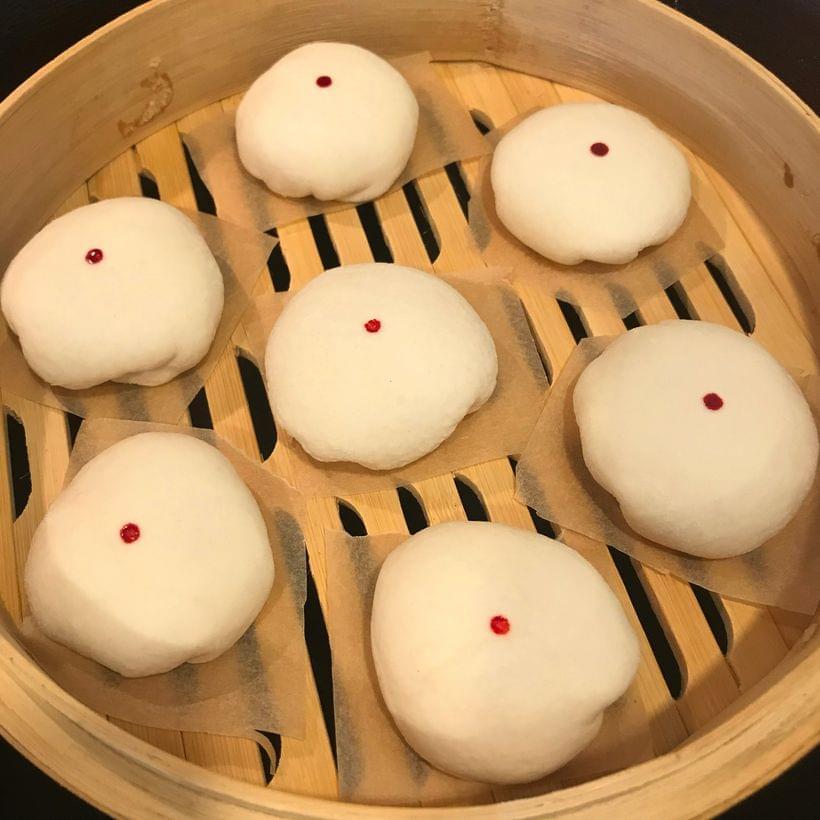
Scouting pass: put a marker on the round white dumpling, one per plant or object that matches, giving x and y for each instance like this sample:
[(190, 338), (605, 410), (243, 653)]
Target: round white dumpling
[(154, 555), (703, 438), (377, 364), (589, 181), (497, 650), (125, 290), (329, 120)]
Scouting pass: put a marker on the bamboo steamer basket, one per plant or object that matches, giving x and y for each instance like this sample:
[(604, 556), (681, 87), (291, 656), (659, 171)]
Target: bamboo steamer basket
[(104, 120)]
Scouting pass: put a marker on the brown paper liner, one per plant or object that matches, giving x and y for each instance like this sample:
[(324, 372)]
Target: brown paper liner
[(553, 479), (258, 684), (445, 134), (496, 430), (592, 284), (375, 764), (241, 254)]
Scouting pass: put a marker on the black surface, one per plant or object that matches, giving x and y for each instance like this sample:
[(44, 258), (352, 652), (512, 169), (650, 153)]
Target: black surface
[(26, 792), (781, 34)]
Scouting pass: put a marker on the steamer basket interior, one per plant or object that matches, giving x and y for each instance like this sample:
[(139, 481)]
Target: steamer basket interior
[(728, 691)]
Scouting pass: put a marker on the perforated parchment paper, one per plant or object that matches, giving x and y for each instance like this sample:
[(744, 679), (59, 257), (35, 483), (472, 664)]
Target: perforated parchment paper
[(242, 255), (592, 283), (445, 134), (258, 684), (498, 429), (375, 764), (553, 479)]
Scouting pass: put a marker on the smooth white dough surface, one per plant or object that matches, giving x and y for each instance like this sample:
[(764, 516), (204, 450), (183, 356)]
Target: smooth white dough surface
[(185, 590), (380, 399), (708, 482), (499, 708), (144, 313), (349, 140), (560, 199)]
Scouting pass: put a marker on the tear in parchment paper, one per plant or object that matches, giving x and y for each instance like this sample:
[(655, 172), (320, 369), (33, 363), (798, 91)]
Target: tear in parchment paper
[(445, 134), (553, 479), (592, 283), (498, 429), (258, 684), (242, 255), (375, 764)]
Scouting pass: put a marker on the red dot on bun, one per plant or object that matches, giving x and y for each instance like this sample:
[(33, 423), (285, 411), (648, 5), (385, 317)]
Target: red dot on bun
[(499, 624), (600, 149), (129, 533), (372, 326), (324, 81), (713, 401), (94, 256)]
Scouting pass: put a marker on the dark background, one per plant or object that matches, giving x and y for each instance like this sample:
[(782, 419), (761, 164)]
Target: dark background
[(784, 35)]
